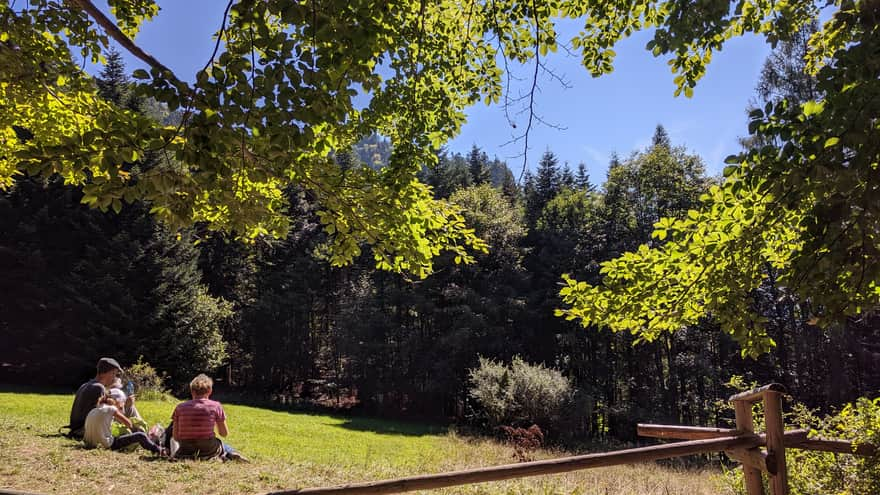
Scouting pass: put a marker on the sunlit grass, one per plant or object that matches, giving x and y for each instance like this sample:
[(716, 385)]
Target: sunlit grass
[(289, 450)]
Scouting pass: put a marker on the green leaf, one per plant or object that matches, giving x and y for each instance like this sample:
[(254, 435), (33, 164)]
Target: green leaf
[(813, 107)]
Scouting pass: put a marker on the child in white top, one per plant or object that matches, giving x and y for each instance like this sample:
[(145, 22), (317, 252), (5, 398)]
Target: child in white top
[(98, 431), (129, 409)]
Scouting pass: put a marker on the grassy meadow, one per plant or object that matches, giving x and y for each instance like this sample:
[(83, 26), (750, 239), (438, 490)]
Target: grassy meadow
[(289, 450)]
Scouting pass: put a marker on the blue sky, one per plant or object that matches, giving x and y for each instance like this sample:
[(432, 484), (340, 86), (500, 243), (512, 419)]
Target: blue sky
[(618, 112), (614, 113)]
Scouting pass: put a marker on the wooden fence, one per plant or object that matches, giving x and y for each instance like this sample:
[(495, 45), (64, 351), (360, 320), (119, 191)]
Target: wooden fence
[(741, 443)]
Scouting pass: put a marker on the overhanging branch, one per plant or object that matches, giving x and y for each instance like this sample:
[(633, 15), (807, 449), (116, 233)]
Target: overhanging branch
[(114, 32)]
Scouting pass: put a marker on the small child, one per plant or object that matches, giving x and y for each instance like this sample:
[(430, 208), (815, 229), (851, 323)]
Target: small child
[(130, 410), (137, 422), (194, 422), (98, 431)]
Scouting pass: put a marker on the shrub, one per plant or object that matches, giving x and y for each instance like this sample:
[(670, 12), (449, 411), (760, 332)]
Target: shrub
[(148, 385), (524, 440), (825, 472), (812, 472), (520, 394)]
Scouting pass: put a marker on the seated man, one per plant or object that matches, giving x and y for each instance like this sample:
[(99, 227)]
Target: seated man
[(194, 422), (89, 393)]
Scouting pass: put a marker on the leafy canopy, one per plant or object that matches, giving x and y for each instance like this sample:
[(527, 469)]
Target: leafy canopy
[(286, 91), (801, 207)]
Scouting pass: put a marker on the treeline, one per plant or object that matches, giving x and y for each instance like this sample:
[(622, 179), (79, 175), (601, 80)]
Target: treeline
[(273, 320)]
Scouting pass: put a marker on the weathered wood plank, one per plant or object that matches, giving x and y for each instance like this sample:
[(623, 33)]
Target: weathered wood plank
[(837, 446), (745, 423), (756, 394), (684, 432), (775, 441), (752, 458)]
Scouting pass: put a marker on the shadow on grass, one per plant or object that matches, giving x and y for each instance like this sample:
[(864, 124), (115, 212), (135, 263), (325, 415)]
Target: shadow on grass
[(55, 435), (386, 427), (348, 419), (74, 445), (15, 388)]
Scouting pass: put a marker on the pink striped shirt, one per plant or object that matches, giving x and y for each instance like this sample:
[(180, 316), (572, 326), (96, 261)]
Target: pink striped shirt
[(195, 419)]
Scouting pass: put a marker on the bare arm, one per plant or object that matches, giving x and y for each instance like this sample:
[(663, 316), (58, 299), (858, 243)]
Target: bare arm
[(221, 428), (118, 416)]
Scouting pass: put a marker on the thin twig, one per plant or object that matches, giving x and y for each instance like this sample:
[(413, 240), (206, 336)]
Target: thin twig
[(532, 92), (219, 36)]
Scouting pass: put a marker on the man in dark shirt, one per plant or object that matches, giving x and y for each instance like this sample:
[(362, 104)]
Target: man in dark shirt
[(89, 392)]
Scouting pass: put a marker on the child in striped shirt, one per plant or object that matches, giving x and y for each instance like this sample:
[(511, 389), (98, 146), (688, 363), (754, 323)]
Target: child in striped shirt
[(195, 421)]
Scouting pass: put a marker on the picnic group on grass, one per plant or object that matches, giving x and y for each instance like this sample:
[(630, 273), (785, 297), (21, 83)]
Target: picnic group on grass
[(190, 435)]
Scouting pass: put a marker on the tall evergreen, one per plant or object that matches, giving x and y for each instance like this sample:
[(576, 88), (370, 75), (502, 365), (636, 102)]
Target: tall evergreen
[(114, 84), (661, 137), (478, 164), (546, 184), (509, 187), (547, 179), (784, 74), (566, 178), (449, 175), (582, 179)]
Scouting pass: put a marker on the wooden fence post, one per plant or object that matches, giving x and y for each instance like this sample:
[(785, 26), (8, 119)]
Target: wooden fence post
[(775, 440), (745, 423)]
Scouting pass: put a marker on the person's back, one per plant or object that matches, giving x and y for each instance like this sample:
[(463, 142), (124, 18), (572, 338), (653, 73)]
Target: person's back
[(195, 421), (88, 394), (98, 429)]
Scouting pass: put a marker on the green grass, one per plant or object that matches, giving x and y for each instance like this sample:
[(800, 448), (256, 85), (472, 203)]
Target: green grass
[(288, 450), (321, 439)]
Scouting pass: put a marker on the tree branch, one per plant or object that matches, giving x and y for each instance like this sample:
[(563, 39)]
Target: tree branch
[(219, 36), (114, 32), (532, 92)]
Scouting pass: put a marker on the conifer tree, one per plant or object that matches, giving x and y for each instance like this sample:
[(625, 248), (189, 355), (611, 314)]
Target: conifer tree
[(114, 84), (661, 137), (547, 179), (478, 164), (509, 187), (566, 178), (582, 179)]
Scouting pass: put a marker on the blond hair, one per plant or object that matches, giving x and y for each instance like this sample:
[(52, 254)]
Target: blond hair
[(201, 385), (107, 399)]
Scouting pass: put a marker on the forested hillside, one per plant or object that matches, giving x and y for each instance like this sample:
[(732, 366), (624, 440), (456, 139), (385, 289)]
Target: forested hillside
[(274, 319)]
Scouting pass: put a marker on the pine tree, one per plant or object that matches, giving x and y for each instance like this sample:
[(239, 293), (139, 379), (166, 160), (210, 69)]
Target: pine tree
[(478, 164), (114, 84), (449, 175), (348, 160), (528, 187), (186, 322), (548, 180), (785, 75), (661, 137), (509, 187), (582, 179), (566, 179)]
